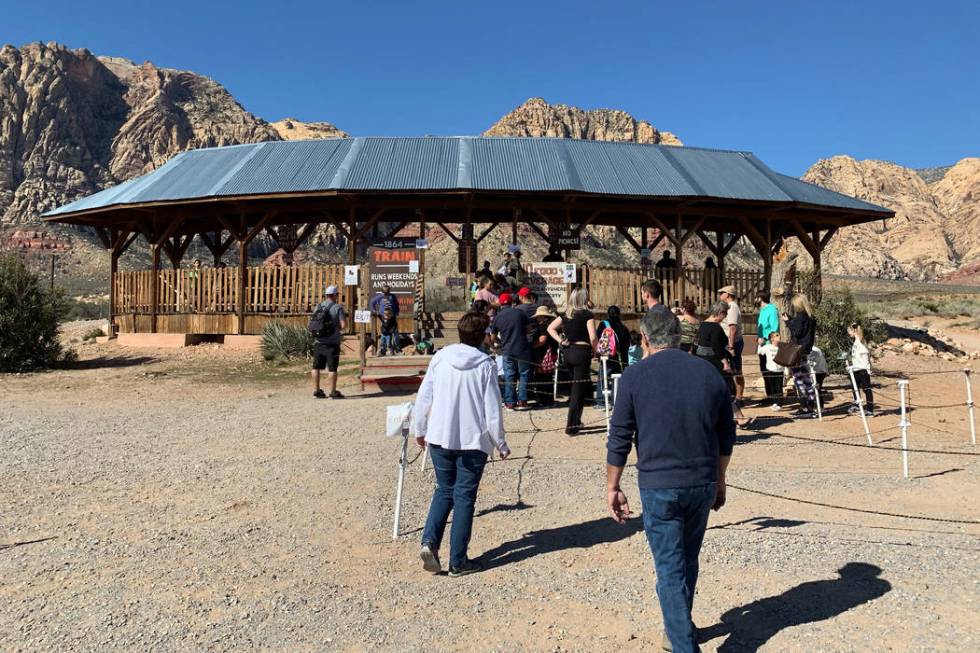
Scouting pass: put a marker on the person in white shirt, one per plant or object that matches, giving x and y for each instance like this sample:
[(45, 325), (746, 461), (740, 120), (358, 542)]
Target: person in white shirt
[(458, 416), (861, 363), (773, 376), (732, 327)]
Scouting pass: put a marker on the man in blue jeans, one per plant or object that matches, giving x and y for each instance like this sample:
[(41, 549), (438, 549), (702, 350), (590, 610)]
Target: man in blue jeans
[(512, 328), (678, 408)]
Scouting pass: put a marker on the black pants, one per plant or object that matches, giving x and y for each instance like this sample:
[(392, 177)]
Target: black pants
[(774, 386), (863, 380), (578, 359)]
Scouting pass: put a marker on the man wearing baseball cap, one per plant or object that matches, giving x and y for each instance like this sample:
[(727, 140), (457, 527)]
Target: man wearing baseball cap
[(732, 326), (328, 324)]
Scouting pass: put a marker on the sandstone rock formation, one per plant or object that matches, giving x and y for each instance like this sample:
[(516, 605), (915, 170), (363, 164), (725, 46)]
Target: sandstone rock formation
[(958, 195), (918, 243), (290, 129), (538, 118), (72, 123)]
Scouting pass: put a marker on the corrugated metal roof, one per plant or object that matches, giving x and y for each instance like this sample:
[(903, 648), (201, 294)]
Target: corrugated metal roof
[(464, 163)]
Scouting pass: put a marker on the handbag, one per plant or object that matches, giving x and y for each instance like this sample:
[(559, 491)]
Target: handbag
[(788, 354), (548, 362)]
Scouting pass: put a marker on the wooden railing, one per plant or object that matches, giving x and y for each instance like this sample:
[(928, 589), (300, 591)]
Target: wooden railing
[(215, 290), (609, 286)]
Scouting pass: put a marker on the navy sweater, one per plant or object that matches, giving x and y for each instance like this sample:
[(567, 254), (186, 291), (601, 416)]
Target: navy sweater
[(679, 409)]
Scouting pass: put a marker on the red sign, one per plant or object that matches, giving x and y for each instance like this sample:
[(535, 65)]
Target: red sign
[(390, 267)]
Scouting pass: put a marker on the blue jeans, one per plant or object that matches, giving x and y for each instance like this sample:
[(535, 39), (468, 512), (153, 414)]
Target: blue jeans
[(389, 343), (458, 475), (519, 370), (675, 521)]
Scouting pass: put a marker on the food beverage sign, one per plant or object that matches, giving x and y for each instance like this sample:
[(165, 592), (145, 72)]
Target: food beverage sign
[(547, 280), (393, 267)]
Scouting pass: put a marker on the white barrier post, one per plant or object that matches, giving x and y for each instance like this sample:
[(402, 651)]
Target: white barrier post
[(554, 387), (816, 392), (402, 464), (605, 388), (969, 404), (860, 403), (903, 392), (615, 378), (425, 457)]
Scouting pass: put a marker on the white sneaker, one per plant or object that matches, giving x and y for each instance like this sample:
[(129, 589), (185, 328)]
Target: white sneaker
[(430, 559)]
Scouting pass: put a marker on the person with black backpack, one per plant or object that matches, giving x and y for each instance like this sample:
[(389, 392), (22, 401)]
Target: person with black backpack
[(327, 325)]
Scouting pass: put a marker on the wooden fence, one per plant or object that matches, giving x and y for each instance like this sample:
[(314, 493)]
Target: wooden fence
[(621, 286), (285, 290)]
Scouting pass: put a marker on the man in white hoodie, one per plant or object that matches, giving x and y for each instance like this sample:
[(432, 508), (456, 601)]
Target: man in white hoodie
[(458, 416)]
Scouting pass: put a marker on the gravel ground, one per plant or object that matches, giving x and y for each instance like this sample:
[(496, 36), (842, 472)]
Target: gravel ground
[(195, 500)]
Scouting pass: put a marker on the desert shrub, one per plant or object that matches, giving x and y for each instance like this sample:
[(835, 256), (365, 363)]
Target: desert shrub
[(29, 319), (82, 310), (92, 334), (284, 341), (837, 310)]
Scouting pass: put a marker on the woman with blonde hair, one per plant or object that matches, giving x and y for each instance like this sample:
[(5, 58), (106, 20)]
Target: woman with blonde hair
[(803, 328), (579, 341)]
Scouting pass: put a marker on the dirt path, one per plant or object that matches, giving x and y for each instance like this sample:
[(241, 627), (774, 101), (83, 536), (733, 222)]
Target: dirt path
[(191, 501)]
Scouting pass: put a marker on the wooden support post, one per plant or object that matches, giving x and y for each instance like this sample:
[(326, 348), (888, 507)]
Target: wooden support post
[(680, 279), (513, 226), (243, 241), (721, 257), (420, 213), (767, 261), (351, 260), (154, 284)]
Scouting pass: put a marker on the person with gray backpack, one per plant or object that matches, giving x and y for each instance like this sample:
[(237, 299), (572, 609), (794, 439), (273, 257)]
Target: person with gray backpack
[(327, 325)]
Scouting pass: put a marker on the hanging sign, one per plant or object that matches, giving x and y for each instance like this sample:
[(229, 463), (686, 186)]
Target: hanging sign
[(569, 273), (421, 243), (362, 317), (568, 239), (393, 243), (456, 282), (467, 231), (398, 418), (350, 275), (413, 267), (645, 257), (467, 256)]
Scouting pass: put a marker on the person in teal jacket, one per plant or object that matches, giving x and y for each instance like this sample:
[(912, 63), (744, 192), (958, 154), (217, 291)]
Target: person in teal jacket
[(767, 323)]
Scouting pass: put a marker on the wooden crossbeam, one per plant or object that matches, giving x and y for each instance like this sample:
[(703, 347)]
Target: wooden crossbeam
[(664, 230), (448, 232), (805, 238), (305, 234), (629, 238), (486, 232), (401, 225), (104, 237), (690, 232), (825, 240), (539, 231)]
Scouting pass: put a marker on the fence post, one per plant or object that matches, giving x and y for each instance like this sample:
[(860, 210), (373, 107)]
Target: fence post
[(969, 406), (615, 378), (605, 388), (860, 403), (904, 424), (402, 463)]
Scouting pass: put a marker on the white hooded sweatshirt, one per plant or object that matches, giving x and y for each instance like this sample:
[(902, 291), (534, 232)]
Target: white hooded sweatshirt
[(458, 405)]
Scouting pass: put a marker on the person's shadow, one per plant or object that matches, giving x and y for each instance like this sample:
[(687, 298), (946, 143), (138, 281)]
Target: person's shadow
[(750, 626), (548, 540)]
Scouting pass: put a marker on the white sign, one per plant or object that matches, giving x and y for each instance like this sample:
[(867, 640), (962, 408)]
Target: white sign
[(547, 280), (645, 252), (513, 249), (421, 243), (413, 267), (568, 273), (362, 317), (398, 417), (350, 275)]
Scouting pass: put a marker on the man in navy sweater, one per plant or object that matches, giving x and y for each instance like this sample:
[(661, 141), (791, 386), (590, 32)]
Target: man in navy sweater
[(677, 407)]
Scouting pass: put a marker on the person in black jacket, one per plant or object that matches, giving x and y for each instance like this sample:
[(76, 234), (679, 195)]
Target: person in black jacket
[(803, 329), (711, 344)]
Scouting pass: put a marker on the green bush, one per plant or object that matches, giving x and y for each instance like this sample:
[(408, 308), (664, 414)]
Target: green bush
[(29, 319), (92, 334), (284, 341), (836, 311)]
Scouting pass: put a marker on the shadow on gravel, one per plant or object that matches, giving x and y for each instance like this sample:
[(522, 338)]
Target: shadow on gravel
[(4, 547), (111, 361), (750, 626), (549, 540)]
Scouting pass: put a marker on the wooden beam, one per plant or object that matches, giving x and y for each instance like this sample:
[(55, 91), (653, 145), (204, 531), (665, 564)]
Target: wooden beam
[(629, 238), (306, 232), (690, 232), (540, 232), (104, 237), (585, 223), (401, 225), (825, 240), (707, 242), (664, 230), (805, 238), (731, 243), (486, 232), (448, 232), (129, 241)]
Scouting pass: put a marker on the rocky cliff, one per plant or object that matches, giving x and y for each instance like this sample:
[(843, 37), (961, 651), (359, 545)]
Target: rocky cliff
[(936, 227), (72, 123), (538, 118), (290, 129)]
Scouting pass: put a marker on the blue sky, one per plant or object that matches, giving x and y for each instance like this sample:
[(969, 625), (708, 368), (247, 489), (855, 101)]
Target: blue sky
[(791, 81)]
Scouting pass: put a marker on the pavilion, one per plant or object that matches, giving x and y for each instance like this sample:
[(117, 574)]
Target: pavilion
[(229, 195)]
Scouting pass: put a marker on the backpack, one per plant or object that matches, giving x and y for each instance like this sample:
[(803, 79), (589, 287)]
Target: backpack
[(607, 340), (322, 324)]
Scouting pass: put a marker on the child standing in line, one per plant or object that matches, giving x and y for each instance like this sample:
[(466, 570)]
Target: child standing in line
[(861, 363), (818, 363), (636, 349), (389, 333), (773, 376)]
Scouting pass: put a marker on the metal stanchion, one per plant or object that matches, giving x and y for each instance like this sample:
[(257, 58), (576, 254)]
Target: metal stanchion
[(860, 403), (554, 387), (425, 457), (402, 464), (615, 378), (816, 392), (903, 386), (969, 406)]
